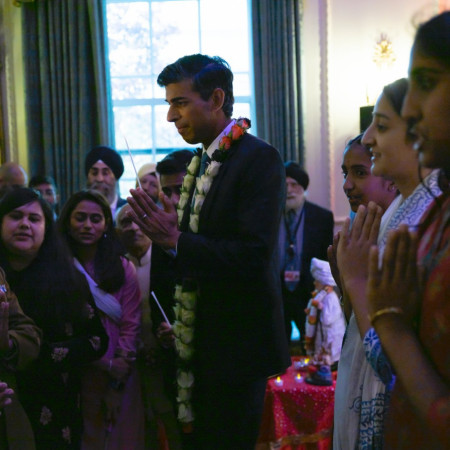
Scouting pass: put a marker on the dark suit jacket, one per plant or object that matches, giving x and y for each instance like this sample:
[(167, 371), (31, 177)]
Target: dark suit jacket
[(317, 236), (162, 283), (239, 330)]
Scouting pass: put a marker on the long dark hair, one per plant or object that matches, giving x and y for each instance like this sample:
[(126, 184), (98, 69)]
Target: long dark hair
[(395, 93), (357, 142), (109, 271), (433, 40), (50, 289)]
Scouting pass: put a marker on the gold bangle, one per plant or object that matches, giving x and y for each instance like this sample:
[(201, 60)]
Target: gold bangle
[(383, 311)]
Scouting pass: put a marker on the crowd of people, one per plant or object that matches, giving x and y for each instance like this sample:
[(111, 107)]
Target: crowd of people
[(125, 323)]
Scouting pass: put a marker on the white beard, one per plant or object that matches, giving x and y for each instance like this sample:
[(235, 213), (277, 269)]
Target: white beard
[(295, 202)]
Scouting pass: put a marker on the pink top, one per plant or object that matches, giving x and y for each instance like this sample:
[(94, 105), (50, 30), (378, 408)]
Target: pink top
[(123, 337)]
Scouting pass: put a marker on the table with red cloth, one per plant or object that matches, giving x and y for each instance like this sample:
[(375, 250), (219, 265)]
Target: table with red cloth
[(297, 415)]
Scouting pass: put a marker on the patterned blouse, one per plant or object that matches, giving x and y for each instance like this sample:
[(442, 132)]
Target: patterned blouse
[(405, 430)]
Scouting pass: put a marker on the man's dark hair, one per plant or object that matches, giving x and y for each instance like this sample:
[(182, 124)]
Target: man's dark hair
[(41, 179), (206, 72), (175, 162)]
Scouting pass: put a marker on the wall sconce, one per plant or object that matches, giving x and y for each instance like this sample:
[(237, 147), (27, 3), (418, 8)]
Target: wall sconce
[(384, 53), (384, 58)]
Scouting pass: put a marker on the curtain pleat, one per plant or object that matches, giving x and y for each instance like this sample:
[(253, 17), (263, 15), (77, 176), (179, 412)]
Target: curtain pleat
[(67, 94), (277, 68)]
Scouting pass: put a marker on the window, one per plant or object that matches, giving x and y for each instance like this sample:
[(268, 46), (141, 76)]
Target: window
[(146, 35)]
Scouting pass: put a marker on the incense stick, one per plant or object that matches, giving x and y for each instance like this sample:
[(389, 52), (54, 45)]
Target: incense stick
[(160, 308), (132, 162)]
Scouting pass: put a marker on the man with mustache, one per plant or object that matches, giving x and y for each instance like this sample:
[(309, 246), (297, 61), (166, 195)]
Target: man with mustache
[(104, 167)]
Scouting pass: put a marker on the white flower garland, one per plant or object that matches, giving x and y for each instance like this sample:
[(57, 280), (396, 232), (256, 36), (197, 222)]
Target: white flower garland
[(183, 327)]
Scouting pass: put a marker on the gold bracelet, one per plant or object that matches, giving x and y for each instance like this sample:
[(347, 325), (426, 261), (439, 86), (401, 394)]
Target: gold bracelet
[(383, 311)]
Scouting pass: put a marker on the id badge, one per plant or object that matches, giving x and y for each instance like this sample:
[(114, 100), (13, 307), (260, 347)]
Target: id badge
[(291, 275)]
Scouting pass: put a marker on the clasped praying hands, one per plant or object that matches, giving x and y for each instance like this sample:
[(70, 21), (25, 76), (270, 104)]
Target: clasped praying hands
[(395, 285), (354, 244), (159, 224), (352, 254)]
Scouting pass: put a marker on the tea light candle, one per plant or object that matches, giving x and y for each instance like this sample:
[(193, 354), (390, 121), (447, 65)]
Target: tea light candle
[(279, 381), (298, 378)]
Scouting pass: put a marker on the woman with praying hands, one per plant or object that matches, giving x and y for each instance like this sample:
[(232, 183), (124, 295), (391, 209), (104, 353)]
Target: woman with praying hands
[(409, 295), (364, 376)]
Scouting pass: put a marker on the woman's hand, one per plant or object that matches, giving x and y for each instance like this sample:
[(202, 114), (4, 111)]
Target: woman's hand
[(354, 245), (5, 394), (396, 283), (353, 259), (5, 345), (120, 368)]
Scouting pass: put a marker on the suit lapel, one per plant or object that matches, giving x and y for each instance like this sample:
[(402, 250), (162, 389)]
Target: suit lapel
[(209, 200)]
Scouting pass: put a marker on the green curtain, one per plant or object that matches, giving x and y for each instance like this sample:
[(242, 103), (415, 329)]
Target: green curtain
[(276, 56), (67, 88)]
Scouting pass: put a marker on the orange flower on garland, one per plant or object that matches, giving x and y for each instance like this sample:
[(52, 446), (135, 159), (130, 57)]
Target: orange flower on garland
[(235, 134)]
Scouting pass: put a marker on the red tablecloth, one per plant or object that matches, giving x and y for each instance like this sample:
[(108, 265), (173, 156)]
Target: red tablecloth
[(297, 415)]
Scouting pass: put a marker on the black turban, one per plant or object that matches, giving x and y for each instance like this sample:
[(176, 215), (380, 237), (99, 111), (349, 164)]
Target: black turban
[(109, 156), (293, 170)]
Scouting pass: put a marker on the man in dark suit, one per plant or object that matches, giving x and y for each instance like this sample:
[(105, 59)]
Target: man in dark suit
[(306, 231), (228, 252)]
